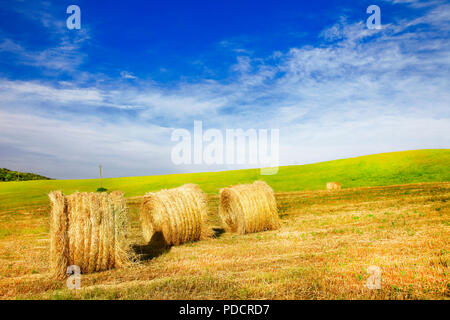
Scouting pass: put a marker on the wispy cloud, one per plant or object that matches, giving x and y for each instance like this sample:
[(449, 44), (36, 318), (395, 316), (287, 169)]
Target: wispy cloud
[(63, 55), (127, 75), (358, 92)]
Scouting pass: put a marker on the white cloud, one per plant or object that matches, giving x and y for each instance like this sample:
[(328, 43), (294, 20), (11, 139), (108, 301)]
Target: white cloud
[(127, 75), (63, 57), (64, 148), (37, 92), (360, 92)]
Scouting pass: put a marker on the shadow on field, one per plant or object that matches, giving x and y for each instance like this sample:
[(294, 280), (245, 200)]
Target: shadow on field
[(156, 247), (218, 232)]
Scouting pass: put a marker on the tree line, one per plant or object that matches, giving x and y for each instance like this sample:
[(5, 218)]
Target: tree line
[(9, 175)]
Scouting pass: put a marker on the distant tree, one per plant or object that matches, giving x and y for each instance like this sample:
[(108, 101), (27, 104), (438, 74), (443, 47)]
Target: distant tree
[(9, 175)]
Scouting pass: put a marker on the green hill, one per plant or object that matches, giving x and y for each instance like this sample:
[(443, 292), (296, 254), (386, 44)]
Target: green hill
[(9, 175), (373, 170)]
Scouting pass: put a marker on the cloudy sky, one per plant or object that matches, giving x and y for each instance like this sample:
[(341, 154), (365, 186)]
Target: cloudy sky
[(114, 91)]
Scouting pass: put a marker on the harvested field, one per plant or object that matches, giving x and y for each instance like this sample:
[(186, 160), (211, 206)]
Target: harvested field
[(322, 250)]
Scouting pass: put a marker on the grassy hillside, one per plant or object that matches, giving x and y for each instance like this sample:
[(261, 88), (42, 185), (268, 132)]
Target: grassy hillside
[(374, 170)]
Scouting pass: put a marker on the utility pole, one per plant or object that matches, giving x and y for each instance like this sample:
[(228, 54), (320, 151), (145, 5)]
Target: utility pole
[(100, 167)]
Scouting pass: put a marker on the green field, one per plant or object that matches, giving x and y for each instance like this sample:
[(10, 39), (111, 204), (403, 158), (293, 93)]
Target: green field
[(373, 170)]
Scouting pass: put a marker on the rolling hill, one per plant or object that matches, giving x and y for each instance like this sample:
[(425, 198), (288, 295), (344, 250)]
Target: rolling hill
[(431, 165), (9, 175)]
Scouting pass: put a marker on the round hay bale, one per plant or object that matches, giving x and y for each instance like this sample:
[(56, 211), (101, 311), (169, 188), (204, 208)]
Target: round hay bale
[(59, 238), (122, 248), (106, 234), (95, 232), (333, 186), (179, 214), (95, 221), (248, 208)]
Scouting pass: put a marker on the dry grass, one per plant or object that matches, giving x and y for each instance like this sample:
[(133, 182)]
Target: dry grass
[(248, 208), (322, 250), (179, 214), (88, 230)]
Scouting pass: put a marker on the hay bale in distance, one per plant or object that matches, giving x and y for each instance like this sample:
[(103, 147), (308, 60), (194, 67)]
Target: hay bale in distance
[(333, 186), (88, 230), (179, 214), (248, 208)]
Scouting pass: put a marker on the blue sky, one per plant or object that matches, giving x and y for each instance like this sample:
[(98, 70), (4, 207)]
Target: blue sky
[(113, 91)]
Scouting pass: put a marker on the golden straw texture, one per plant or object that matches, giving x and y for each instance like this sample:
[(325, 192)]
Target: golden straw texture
[(248, 208), (88, 230), (179, 214), (59, 239)]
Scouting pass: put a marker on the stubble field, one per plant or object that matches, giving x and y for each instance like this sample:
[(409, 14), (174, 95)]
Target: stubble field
[(322, 251)]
